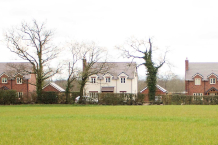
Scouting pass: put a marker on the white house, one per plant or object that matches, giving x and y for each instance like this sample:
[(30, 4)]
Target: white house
[(119, 77)]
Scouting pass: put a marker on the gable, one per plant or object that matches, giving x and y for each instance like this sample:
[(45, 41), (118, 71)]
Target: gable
[(197, 74), (52, 86), (4, 75), (157, 86), (212, 75), (122, 75)]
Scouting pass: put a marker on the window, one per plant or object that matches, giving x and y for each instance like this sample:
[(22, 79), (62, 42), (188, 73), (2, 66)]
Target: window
[(92, 79), (93, 94), (19, 80), (197, 81), (158, 98), (123, 80), (196, 96), (19, 94), (108, 79), (4, 80), (212, 81)]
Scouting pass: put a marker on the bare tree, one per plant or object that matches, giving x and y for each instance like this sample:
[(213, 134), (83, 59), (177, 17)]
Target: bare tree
[(86, 52), (164, 78), (172, 82), (33, 43), (75, 49), (144, 50), (93, 54)]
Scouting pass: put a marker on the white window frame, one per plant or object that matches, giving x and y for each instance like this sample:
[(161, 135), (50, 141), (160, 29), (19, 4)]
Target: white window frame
[(197, 81), (93, 80), (212, 80), (4, 80), (19, 94), (108, 79), (123, 80), (198, 94), (93, 94), (19, 80)]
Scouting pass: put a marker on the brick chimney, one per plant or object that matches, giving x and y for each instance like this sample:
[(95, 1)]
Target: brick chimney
[(186, 64), (84, 63)]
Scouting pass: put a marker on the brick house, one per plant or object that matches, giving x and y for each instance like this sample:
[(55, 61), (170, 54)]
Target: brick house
[(14, 77), (52, 87), (159, 91), (201, 78)]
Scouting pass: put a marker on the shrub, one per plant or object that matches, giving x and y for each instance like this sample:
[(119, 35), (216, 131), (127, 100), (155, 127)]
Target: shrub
[(8, 97), (49, 98), (118, 98)]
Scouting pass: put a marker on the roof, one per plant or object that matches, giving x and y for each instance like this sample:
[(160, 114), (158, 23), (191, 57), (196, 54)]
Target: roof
[(12, 68), (54, 86), (203, 69), (159, 87), (117, 68)]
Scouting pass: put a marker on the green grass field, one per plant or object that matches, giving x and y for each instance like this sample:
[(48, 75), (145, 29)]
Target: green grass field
[(68, 124)]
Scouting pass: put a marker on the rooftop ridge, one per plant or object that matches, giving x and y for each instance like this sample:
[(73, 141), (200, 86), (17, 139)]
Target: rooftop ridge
[(115, 62), (203, 62)]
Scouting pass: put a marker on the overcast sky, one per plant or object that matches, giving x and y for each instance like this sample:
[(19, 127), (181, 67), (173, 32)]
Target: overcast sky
[(188, 28)]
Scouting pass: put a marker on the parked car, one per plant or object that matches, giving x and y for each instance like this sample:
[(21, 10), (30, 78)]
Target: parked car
[(86, 99)]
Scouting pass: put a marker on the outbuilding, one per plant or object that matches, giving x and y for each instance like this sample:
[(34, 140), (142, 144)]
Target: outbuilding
[(159, 91), (52, 87)]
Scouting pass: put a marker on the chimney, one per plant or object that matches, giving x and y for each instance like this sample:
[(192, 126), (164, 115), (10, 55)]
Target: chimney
[(84, 64), (186, 64)]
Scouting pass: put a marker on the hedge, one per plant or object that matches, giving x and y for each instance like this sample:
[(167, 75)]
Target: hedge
[(189, 100), (8, 97)]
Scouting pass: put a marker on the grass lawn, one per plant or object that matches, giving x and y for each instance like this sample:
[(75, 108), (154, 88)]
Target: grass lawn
[(68, 124)]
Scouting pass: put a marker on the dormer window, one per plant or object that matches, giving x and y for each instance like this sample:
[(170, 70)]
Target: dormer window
[(123, 79), (212, 81), (4, 80), (108, 79), (19, 80), (93, 80), (197, 81)]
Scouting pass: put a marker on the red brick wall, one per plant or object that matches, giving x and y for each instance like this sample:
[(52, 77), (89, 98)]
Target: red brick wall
[(24, 87), (205, 86), (49, 88), (32, 80), (158, 92), (8, 84)]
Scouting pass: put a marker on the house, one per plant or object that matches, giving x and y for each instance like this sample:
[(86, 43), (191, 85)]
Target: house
[(52, 87), (17, 76), (118, 77), (159, 91), (201, 78)]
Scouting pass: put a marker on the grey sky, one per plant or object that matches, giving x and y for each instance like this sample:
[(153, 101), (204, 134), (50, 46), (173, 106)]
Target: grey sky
[(187, 27)]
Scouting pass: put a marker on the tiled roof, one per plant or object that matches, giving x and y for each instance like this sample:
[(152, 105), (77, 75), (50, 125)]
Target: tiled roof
[(203, 69), (7, 68), (159, 87), (117, 68)]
